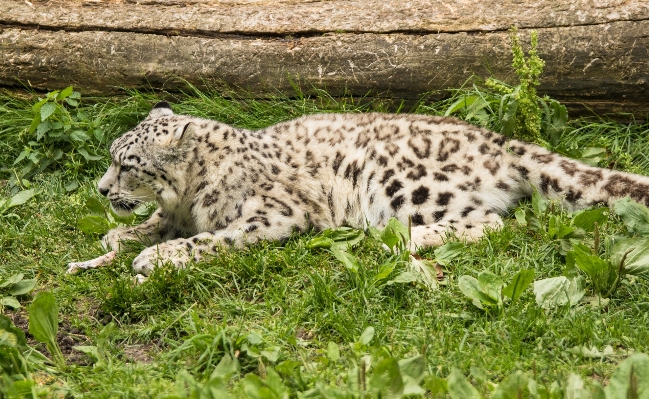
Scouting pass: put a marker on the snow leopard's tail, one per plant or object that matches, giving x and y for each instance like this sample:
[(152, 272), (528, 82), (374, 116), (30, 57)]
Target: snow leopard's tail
[(578, 185)]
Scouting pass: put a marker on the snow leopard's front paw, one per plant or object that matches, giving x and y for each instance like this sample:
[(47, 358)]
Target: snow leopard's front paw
[(114, 239), (174, 251)]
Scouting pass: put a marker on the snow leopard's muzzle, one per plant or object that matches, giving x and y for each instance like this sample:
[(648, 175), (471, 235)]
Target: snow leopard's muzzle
[(123, 207)]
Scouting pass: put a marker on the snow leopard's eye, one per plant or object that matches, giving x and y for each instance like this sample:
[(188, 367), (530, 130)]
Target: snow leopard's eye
[(126, 168)]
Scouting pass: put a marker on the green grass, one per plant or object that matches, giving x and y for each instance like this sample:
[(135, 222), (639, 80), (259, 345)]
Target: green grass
[(274, 303)]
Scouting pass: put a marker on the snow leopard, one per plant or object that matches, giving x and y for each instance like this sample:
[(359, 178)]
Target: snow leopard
[(218, 186)]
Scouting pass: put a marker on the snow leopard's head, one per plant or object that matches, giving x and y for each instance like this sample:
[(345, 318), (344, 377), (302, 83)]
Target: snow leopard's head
[(145, 160)]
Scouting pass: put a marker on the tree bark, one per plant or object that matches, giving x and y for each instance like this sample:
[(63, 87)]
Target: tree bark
[(596, 51)]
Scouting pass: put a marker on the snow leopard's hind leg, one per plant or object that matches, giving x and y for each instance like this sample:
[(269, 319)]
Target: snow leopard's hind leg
[(469, 230)]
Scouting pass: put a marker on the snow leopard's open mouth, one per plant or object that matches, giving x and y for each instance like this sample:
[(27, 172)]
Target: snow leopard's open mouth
[(124, 207)]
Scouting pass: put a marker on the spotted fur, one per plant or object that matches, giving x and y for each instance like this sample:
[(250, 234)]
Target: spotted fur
[(217, 185)]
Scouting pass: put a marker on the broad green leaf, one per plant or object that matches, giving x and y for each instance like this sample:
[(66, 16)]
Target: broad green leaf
[(507, 113), (459, 387), (629, 379), (576, 388), (22, 287), (564, 230), (226, 367), (447, 252), (44, 317), (403, 278), (87, 155), (36, 158), (345, 235), (471, 288), (43, 324), (71, 185), (21, 389), (557, 291), (385, 380), (556, 117), (520, 217), (413, 371), (477, 109), (597, 269), (513, 386), (52, 94), (463, 102), (122, 219), (571, 270), (98, 133), (93, 224), (425, 272), (553, 226), (635, 216), (593, 352), (592, 155), (384, 271), (65, 93), (7, 325), (42, 128), (35, 122), (333, 352), (587, 219), (366, 336), (275, 383), (57, 154), (289, 368), (348, 260), (394, 233), (89, 350), (491, 285), (20, 198), (13, 279), (79, 135), (519, 284), (539, 204), (7, 340), (272, 354), (23, 154), (270, 388), (254, 339), (10, 301), (37, 106), (636, 262), (436, 385), (533, 223), (319, 242), (47, 110)]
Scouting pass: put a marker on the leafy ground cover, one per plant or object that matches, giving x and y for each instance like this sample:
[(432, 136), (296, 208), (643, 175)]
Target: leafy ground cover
[(309, 317)]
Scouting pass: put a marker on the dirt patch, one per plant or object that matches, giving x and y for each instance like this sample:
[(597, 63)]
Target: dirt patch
[(67, 337), (138, 353)]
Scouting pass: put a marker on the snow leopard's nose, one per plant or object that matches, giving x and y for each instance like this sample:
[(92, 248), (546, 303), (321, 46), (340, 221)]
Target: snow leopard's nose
[(103, 191)]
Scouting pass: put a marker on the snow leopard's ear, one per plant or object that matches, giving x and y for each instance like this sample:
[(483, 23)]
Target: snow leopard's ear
[(183, 134), (160, 109), (175, 147)]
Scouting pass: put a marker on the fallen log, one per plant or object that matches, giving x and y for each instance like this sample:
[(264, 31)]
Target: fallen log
[(596, 51)]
